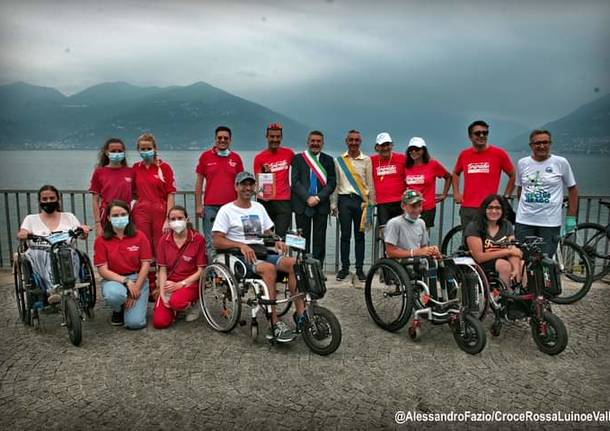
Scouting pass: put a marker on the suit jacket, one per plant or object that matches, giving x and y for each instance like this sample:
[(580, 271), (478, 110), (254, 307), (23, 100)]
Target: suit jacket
[(300, 185)]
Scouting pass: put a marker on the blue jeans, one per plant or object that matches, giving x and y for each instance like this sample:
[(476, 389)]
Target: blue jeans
[(115, 295), (209, 215), (550, 235)]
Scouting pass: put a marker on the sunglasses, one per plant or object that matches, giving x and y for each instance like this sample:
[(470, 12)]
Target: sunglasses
[(411, 149), (481, 133), (222, 138)]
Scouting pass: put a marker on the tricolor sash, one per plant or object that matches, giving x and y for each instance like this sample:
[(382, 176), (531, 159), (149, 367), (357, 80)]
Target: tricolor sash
[(356, 181), (316, 167)]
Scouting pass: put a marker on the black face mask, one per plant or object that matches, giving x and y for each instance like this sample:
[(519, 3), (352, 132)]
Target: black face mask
[(49, 207)]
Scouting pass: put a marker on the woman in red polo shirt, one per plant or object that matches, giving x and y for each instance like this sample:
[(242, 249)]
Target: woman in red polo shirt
[(421, 173), (122, 256), (181, 258), (111, 179), (154, 189)]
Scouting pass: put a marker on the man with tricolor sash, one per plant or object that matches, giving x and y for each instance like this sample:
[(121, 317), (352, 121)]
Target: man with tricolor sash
[(354, 201), (313, 181)]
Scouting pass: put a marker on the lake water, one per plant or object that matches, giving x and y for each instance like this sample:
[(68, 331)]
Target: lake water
[(72, 169)]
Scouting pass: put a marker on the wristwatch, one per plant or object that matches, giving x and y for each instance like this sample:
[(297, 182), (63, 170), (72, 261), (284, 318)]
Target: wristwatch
[(126, 280), (183, 284)]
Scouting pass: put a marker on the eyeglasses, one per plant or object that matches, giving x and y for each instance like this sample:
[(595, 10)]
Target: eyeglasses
[(541, 143), (494, 207), (481, 133), (222, 138)]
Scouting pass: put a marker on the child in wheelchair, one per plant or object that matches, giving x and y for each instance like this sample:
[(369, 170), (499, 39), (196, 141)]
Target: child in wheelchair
[(50, 219)]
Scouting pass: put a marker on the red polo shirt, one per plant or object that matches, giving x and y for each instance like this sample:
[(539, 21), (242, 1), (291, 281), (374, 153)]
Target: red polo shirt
[(153, 183), (219, 173), (122, 255), (482, 172), (277, 163), (191, 255), (388, 177), (112, 183)]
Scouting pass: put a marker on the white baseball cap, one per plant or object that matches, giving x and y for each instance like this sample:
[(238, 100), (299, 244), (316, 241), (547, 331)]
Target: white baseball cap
[(416, 142), (382, 138)]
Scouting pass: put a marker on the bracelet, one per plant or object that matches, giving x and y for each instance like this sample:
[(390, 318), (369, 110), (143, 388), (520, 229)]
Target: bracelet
[(411, 252)]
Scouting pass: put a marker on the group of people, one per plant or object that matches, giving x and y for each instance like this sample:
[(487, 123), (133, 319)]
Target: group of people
[(147, 250)]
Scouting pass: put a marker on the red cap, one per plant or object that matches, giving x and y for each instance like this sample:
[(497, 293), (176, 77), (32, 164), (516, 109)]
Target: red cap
[(274, 126)]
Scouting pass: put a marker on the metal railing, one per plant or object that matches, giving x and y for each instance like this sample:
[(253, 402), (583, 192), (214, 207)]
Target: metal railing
[(16, 204)]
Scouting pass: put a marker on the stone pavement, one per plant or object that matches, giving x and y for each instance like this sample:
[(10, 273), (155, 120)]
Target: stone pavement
[(190, 377)]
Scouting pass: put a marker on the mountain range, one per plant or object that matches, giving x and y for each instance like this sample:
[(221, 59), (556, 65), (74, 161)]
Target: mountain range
[(184, 117)]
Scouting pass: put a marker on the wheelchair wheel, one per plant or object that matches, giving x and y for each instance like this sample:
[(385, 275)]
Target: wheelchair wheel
[(387, 294), (575, 265), (322, 332), (89, 294), (282, 292), (476, 278), (73, 321), (551, 336), (452, 241), (19, 288), (30, 316), (219, 297), (470, 335)]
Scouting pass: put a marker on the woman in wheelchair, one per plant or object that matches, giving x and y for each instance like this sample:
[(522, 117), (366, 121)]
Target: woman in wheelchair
[(181, 258), (489, 227), (50, 219), (240, 225), (122, 256)]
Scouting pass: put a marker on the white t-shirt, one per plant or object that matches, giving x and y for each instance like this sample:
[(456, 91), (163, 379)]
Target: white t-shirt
[(242, 224), (34, 224), (542, 185)]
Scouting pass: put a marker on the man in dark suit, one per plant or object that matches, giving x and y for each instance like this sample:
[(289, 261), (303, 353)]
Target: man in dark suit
[(313, 181)]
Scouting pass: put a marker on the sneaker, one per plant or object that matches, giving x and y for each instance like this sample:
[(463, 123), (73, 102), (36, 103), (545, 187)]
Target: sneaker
[(54, 298), (282, 333), (361, 275), (299, 321), (117, 318), (342, 274), (193, 313)]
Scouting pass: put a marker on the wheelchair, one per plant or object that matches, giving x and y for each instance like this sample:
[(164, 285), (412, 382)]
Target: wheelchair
[(78, 296), (226, 286), (448, 291)]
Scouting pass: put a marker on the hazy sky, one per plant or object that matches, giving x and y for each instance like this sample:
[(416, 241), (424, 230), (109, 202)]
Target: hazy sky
[(525, 62)]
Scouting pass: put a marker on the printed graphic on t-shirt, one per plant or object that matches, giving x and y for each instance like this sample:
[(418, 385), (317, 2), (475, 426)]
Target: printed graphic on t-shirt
[(133, 248), (478, 168), (538, 195), (489, 243), (127, 179), (386, 170), (281, 165), (415, 179), (251, 225), (187, 258)]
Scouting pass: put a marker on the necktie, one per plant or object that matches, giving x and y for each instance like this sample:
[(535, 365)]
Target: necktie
[(313, 184)]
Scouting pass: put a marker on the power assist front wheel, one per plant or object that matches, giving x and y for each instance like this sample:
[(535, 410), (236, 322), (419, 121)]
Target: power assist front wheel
[(219, 297), (387, 294), (73, 321), (470, 335), (322, 332)]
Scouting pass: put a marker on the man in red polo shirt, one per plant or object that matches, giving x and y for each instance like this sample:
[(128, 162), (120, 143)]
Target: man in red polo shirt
[(217, 168), (388, 177), (274, 165), (482, 165)]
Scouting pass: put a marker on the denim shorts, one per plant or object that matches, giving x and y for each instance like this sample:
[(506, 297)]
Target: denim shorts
[(273, 259)]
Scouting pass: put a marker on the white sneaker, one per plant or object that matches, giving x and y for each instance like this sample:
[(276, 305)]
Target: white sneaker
[(193, 313)]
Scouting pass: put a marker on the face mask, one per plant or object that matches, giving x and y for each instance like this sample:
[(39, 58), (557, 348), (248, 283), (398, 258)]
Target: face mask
[(409, 219), (147, 155), (49, 207), (223, 153), (116, 157), (177, 225), (119, 222)]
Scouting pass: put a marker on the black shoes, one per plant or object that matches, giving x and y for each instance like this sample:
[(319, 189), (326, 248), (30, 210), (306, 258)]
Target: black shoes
[(117, 318), (361, 275), (342, 274)]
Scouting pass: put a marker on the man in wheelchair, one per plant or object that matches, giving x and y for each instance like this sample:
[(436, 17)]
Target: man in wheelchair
[(240, 225), (406, 236)]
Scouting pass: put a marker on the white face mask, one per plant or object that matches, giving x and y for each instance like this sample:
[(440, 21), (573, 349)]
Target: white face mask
[(409, 219), (177, 225)]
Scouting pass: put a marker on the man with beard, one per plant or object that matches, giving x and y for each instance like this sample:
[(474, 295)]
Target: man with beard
[(313, 181), (275, 195), (482, 165), (353, 200)]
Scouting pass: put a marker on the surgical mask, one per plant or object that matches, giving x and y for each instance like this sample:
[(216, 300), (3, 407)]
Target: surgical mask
[(120, 222), (49, 207), (223, 153), (147, 156), (177, 225), (410, 219), (116, 157)]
